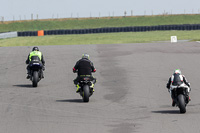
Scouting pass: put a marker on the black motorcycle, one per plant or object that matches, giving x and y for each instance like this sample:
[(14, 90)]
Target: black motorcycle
[(85, 90), (36, 73), (181, 97)]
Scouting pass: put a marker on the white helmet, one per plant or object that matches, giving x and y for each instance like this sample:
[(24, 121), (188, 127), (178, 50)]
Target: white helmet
[(177, 71)]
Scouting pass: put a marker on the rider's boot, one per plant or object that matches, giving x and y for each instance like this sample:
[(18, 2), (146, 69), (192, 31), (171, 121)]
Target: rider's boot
[(188, 97), (29, 74), (172, 96), (92, 87), (173, 103), (42, 74), (78, 88)]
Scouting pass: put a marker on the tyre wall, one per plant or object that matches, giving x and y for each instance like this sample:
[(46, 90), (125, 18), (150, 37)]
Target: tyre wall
[(113, 29)]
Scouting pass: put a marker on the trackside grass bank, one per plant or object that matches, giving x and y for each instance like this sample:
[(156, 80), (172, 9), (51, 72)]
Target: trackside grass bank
[(111, 38), (88, 23)]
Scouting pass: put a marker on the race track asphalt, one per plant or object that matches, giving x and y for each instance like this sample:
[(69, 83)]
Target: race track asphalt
[(130, 93)]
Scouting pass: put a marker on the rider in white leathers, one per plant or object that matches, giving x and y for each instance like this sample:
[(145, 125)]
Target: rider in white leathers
[(177, 79)]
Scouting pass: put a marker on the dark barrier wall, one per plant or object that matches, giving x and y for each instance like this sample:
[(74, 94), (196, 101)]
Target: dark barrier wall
[(27, 33), (115, 29)]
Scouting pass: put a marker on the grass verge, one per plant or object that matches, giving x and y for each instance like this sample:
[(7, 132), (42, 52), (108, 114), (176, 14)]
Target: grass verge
[(87, 23), (109, 38)]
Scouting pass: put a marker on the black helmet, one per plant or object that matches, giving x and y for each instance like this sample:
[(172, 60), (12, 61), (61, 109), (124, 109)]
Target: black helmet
[(35, 49)]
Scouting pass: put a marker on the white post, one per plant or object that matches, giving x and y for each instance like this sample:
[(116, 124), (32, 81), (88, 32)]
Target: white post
[(173, 39)]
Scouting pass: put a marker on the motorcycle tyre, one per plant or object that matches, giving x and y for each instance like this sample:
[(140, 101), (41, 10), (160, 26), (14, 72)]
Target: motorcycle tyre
[(182, 105), (35, 79), (86, 93)]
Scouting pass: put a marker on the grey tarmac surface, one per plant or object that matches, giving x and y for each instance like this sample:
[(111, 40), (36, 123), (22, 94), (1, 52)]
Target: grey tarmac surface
[(130, 95)]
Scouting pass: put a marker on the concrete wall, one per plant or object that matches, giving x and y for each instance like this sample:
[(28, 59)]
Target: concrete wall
[(8, 35)]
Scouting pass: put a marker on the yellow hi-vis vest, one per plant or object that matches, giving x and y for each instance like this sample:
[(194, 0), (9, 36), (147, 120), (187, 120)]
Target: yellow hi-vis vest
[(35, 53)]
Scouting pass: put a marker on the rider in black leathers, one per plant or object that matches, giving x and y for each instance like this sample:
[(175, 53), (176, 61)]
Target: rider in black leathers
[(85, 68)]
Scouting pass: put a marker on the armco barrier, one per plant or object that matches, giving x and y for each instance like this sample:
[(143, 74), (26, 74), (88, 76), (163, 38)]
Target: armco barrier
[(114, 29)]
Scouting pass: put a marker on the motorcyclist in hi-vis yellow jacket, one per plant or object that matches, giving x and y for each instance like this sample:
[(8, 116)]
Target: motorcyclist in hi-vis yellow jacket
[(35, 53)]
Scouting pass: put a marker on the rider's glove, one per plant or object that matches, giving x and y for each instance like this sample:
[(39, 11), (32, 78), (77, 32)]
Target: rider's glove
[(74, 70)]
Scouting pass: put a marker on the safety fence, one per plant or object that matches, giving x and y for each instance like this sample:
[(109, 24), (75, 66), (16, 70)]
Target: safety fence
[(111, 30)]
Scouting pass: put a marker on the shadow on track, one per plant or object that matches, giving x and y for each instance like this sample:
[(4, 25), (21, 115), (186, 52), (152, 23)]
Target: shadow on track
[(71, 100), (24, 85), (167, 111)]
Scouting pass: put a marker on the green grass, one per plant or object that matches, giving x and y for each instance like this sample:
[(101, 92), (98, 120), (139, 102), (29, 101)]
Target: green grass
[(98, 22), (111, 38)]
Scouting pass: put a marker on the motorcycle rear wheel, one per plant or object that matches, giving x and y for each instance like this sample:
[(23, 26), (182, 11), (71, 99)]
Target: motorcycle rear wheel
[(86, 93), (35, 79), (182, 105)]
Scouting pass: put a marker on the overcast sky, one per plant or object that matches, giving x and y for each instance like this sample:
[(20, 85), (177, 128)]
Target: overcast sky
[(22, 9)]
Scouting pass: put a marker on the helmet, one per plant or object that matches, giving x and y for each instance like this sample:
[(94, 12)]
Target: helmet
[(35, 49), (85, 56), (177, 71)]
